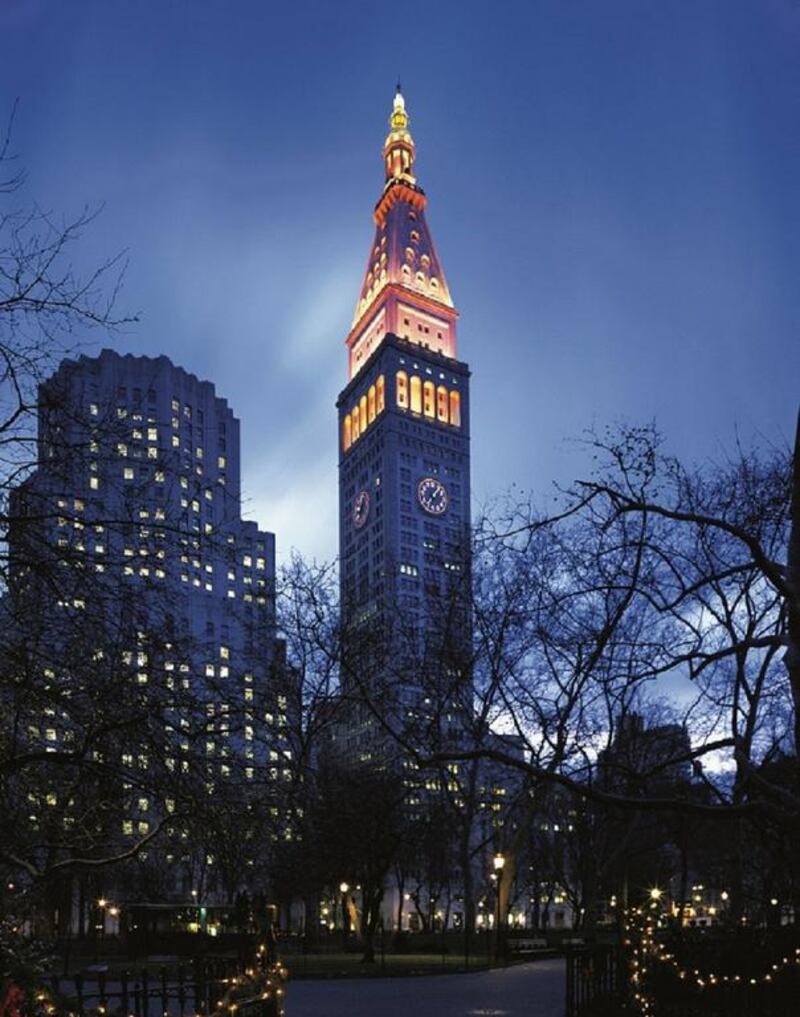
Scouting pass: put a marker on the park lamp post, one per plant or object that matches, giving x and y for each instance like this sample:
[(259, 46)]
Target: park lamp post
[(498, 862), (343, 888)]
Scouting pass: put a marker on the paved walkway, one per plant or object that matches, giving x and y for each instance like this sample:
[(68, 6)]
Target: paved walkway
[(523, 990)]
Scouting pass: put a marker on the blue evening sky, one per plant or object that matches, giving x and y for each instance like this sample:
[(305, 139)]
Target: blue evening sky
[(613, 190)]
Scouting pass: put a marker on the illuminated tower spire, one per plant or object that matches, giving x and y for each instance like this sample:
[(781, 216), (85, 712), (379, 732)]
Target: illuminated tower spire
[(399, 151), (404, 290)]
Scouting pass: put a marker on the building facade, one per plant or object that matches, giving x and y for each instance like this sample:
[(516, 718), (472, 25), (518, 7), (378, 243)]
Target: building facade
[(130, 532), (404, 472)]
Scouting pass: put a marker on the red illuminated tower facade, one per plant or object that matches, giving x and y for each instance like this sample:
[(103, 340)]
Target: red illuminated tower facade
[(404, 469)]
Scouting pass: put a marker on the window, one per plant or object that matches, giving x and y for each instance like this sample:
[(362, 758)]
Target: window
[(401, 383), (429, 399), (415, 401), (441, 404), (362, 414), (371, 404), (455, 409), (355, 425), (380, 395)]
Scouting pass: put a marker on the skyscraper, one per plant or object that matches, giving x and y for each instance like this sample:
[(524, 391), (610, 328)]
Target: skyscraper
[(404, 467), (128, 543)]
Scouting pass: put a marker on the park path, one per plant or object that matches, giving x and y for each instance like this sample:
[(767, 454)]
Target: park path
[(523, 990)]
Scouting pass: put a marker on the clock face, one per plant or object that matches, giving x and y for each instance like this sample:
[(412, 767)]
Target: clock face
[(360, 509), (432, 496)]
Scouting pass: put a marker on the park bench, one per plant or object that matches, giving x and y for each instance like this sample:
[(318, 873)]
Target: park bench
[(524, 945)]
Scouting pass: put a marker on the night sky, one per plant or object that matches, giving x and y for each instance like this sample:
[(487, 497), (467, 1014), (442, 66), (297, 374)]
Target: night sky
[(613, 191)]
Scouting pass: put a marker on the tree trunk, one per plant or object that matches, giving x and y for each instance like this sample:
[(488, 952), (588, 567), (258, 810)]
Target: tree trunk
[(311, 909)]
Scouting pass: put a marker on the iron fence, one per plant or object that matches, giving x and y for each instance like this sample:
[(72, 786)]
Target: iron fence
[(197, 989)]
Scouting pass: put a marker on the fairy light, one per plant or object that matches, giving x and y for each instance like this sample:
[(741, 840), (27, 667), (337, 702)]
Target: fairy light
[(645, 949), (254, 986)]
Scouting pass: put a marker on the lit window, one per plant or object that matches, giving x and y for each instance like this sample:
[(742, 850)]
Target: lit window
[(441, 404), (94, 483), (415, 401), (371, 404), (380, 394), (128, 473), (355, 424), (224, 653), (152, 434), (429, 400), (362, 413), (455, 409), (221, 462), (347, 433), (93, 409), (402, 389)]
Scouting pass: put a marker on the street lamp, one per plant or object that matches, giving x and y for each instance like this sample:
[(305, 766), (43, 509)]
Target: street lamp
[(343, 888), (498, 862)]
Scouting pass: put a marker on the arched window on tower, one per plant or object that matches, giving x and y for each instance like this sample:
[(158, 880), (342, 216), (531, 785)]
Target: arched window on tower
[(441, 404), (455, 409), (380, 394), (401, 383), (371, 403), (429, 399), (362, 413), (416, 394), (347, 433), (354, 426)]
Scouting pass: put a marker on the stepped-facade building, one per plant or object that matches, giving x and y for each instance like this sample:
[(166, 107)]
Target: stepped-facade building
[(130, 532)]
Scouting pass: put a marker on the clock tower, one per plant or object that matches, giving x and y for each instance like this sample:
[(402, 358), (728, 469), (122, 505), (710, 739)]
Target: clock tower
[(404, 472)]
